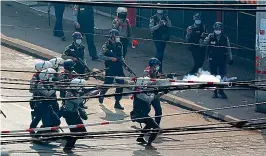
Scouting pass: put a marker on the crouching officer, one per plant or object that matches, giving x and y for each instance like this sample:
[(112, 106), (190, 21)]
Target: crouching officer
[(72, 112), (141, 109), (112, 54), (195, 33), (152, 71), (218, 51), (75, 51)]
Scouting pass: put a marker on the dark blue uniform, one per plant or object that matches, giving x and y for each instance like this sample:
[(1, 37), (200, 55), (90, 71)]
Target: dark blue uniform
[(73, 51), (161, 34), (113, 68), (194, 35), (218, 53), (59, 9), (84, 15), (141, 109), (73, 114)]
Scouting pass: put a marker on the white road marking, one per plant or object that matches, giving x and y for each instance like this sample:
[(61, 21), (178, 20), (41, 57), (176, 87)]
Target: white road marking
[(21, 107)]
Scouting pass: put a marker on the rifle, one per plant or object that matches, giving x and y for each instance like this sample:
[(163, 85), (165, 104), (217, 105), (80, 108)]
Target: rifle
[(83, 64), (111, 54), (126, 66)]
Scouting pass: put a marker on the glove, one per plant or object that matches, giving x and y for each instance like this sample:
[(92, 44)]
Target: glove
[(230, 63)]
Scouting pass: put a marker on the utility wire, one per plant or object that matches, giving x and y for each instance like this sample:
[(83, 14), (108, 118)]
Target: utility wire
[(131, 38), (165, 6)]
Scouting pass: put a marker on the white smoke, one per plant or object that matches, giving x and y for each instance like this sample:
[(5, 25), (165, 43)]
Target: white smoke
[(203, 76)]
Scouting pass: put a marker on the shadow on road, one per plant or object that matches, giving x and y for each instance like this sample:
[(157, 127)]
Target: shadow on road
[(146, 152), (111, 116)]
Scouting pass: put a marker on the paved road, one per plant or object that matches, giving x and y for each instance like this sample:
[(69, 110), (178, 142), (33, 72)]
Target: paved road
[(34, 28), (18, 117)]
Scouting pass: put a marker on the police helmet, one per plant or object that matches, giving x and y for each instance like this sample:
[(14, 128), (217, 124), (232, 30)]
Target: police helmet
[(77, 82), (154, 61), (42, 65), (56, 62), (76, 35), (121, 10), (197, 16), (218, 26), (68, 64), (39, 66), (47, 74), (113, 32)]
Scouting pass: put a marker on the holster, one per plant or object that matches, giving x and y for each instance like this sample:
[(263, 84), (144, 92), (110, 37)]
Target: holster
[(135, 115)]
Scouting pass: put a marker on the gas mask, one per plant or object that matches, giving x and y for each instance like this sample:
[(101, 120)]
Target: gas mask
[(217, 32), (78, 41), (160, 12), (157, 68), (122, 15), (197, 22)]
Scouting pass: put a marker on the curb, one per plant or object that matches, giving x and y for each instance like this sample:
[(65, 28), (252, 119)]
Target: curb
[(43, 53)]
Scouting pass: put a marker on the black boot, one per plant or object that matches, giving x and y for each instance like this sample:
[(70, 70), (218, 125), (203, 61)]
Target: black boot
[(141, 140), (215, 94), (101, 100), (222, 94), (118, 105)]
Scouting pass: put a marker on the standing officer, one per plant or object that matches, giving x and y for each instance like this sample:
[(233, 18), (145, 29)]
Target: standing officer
[(159, 27), (218, 50), (152, 71), (46, 109), (112, 54), (36, 118), (84, 23), (72, 112), (75, 51), (122, 24), (195, 33)]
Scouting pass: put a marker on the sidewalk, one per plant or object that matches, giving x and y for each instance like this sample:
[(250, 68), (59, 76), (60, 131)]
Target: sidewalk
[(177, 58)]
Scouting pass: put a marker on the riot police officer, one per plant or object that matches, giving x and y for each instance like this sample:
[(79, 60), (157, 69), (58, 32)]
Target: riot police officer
[(56, 62), (75, 51), (72, 111), (84, 23), (59, 9), (141, 109), (159, 27), (195, 33), (47, 110), (152, 71), (122, 24), (39, 66), (112, 54), (66, 76), (218, 51)]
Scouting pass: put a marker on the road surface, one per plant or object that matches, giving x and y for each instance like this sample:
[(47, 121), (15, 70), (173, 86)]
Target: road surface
[(18, 117)]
